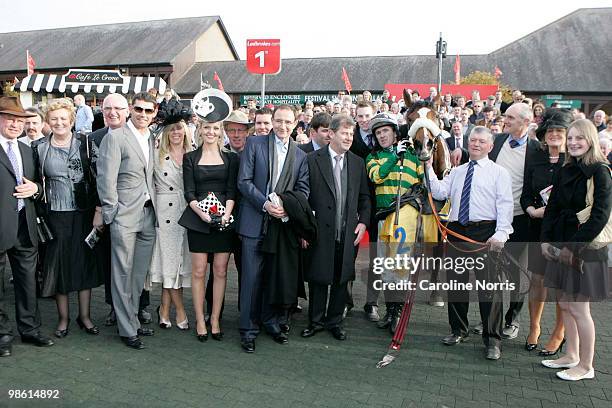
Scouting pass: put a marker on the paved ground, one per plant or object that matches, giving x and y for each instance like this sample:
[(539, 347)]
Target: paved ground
[(177, 370)]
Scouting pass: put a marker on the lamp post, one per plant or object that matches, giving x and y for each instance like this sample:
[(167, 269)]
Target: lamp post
[(440, 53)]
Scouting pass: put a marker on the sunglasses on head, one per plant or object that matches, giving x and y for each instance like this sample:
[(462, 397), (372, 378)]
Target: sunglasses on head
[(139, 109)]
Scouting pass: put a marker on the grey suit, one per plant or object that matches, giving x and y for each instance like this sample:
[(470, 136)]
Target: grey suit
[(125, 187)]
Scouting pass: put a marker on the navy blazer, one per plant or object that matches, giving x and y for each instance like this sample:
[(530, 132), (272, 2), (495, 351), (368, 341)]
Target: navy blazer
[(253, 180)]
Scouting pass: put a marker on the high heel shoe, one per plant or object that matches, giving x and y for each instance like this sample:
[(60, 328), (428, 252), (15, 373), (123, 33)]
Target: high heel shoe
[(548, 353), (62, 333), (201, 337), (89, 330), (531, 346), (217, 336), (184, 325), (163, 324)]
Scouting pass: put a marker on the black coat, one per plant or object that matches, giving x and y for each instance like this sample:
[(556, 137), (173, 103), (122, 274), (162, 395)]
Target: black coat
[(359, 147), (322, 202), (9, 219), (283, 272), (307, 147), (568, 197), (450, 142)]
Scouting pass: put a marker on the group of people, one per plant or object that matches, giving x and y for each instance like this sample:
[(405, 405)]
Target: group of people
[(162, 206)]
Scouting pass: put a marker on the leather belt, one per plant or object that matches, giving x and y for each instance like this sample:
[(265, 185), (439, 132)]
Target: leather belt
[(475, 223)]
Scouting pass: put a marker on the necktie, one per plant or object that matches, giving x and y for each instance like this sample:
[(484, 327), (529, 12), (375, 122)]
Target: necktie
[(513, 143), (13, 159), (370, 142), (338, 185), (464, 207), (458, 142)]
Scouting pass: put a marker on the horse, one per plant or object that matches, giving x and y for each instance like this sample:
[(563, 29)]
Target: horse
[(423, 128)]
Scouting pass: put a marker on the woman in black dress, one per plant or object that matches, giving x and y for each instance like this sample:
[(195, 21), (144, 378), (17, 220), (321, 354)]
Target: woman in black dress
[(539, 173), (579, 270), (210, 168), (62, 162)]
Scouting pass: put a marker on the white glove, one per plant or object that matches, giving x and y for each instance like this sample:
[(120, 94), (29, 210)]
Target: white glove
[(403, 146)]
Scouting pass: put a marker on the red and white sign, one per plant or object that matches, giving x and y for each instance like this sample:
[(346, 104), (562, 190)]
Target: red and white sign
[(263, 56)]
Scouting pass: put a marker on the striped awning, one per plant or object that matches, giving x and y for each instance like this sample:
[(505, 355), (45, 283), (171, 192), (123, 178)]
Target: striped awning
[(57, 83)]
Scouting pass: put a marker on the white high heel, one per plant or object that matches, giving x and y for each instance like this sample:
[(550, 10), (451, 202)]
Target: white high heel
[(552, 364), (184, 325), (163, 324), (586, 376)]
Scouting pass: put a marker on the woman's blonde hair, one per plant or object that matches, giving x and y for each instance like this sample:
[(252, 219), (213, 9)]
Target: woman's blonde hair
[(220, 139), (164, 145), (588, 130), (62, 103)]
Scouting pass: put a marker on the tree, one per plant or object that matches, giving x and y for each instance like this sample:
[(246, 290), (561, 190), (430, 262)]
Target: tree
[(487, 78), (7, 89)]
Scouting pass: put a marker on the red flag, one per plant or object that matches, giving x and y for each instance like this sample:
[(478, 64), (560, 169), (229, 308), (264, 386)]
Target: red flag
[(457, 70), (498, 72), (31, 64), (216, 78), (347, 83)]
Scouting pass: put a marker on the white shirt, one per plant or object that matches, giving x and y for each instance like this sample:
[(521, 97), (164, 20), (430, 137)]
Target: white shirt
[(281, 155), (364, 136), (333, 155), (27, 140), (143, 140), (15, 147), (458, 141), (315, 146), (490, 195)]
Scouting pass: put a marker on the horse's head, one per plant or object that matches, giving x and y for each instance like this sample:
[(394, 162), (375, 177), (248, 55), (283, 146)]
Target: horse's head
[(424, 130)]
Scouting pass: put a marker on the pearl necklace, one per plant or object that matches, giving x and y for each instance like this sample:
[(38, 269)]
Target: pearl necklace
[(64, 143)]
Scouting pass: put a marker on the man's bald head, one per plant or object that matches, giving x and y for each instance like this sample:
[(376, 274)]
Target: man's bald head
[(115, 110)]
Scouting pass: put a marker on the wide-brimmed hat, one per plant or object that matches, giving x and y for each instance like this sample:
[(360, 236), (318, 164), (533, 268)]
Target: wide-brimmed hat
[(554, 118), (11, 105), (238, 117), (212, 105)]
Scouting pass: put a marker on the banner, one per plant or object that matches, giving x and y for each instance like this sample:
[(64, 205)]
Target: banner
[(295, 99), (465, 90)]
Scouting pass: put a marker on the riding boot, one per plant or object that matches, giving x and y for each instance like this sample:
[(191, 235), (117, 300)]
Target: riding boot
[(385, 322), (397, 312)]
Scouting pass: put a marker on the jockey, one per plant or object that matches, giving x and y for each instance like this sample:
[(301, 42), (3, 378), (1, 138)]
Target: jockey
[(384, 170)]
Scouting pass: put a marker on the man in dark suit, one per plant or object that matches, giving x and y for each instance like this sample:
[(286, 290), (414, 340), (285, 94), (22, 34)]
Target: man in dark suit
[(268, 164), (363, 142), (512, 150), (115, 112), (458, 144), (318, 132), (18, 235), (342, 207)]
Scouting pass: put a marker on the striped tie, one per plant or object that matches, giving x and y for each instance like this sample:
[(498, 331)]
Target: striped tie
[(13, 159), (464, 207)]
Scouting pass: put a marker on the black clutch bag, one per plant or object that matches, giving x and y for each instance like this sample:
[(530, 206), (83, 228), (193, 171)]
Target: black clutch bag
[(44, 232)]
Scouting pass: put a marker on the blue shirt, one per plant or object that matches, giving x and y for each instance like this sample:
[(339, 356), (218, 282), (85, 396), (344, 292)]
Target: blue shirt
[(84, 119)]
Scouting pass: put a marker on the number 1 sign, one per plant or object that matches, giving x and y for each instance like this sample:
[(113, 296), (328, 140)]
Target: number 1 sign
[(263, 56)]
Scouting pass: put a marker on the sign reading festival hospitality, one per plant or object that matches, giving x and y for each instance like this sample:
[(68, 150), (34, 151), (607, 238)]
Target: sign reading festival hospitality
[(263, 56)]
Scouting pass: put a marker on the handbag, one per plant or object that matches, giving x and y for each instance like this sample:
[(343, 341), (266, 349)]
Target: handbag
[(605, 236), (213, 207), (42, 227)]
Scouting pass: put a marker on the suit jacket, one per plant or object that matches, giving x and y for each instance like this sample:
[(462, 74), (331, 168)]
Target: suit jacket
[(124, 178), (323, 202), (359, 147), (307, 148), (253, 181), (469, 130), (9, 219), (532, 147), (465, 156)]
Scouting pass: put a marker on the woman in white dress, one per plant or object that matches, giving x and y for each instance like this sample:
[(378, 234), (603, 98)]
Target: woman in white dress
[(171, 264)]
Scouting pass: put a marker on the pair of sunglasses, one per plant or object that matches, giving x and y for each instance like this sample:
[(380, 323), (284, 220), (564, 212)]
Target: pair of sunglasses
[(139, 109)]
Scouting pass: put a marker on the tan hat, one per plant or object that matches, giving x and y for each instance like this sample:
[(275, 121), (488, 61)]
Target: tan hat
[(11, 105), (238, 117)]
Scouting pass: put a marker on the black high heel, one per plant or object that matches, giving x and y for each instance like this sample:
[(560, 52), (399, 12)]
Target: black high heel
[(548, 353), (216, 336), (201, 337), (89, 330), (62, 333), (531, 346)]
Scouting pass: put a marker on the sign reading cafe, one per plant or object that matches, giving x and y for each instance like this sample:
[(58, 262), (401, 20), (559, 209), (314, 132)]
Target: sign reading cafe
[(85, 76)]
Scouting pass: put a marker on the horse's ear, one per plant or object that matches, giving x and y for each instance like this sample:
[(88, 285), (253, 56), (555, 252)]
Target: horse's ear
[(407, 98)]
